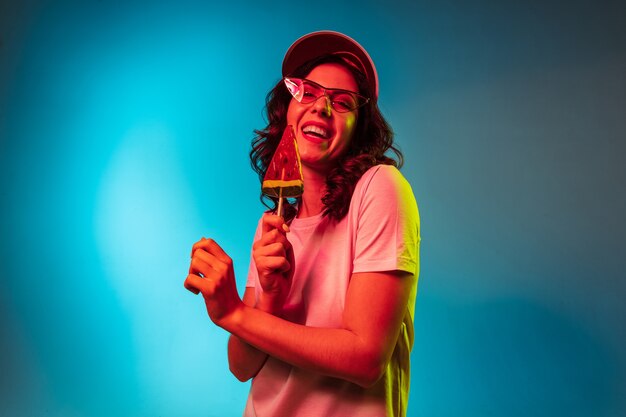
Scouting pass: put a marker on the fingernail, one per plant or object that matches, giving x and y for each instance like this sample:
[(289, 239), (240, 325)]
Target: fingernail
[(285, 227)]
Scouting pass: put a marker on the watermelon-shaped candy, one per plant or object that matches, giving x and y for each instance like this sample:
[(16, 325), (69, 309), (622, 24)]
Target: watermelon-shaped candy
[(284, 174)]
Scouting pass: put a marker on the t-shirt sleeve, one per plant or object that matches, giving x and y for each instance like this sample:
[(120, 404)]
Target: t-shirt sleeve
[(387, 223), (253, 275)]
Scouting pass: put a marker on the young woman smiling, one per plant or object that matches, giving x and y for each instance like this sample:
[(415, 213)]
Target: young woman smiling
[(325, 327)]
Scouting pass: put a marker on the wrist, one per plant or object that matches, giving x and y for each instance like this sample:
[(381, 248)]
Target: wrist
[(232, 320), (272, 304)]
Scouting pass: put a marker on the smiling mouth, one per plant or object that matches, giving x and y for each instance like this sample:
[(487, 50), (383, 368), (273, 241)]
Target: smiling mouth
[(316, 131)]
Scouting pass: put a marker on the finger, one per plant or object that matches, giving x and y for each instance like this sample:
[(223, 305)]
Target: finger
[(216, 250), (190, 287), (275, 263), (198, 245), (199, 266), (272, 221), (273, 236), (216, 265), (211, 246), (194, 283), (274, 249)]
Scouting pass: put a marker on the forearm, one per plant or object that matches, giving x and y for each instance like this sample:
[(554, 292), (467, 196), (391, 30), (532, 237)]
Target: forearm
[(244, 360), (334, 352), (359, 351)]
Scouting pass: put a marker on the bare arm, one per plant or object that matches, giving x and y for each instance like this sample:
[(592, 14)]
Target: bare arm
[(273, 258), (245, 361), (358, 351)]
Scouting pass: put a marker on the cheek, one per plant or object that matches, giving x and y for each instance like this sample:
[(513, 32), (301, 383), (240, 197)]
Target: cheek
[(349, 125), (293, 113), (351, 122)]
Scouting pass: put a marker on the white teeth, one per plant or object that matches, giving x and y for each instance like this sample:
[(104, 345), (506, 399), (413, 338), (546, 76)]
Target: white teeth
[(315, 129)]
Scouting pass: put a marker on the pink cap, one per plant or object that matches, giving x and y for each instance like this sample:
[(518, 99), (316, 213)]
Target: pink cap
[(324, 42)]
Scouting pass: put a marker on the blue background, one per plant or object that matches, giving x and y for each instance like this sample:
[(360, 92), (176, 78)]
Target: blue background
[(124, 134)]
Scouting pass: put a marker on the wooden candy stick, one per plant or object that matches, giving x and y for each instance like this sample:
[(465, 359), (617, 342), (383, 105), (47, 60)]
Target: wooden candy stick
[(279, 210)]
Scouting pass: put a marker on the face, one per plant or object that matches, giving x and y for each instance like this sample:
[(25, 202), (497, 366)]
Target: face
[(323, 135)]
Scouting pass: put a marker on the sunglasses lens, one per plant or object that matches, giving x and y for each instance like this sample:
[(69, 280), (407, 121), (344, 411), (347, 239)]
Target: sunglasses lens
[(311, 92), (344, 102)]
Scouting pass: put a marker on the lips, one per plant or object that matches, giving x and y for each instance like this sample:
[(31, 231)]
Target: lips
[(316, 132)]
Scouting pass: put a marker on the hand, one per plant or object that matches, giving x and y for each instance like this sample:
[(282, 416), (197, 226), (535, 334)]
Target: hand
[(211, 273), (273, 256)]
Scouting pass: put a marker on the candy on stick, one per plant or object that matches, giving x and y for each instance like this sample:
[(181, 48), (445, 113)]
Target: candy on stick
[(283, 177)]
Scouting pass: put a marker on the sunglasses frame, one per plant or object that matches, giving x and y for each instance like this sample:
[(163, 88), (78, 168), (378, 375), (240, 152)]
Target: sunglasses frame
[(293, 84)]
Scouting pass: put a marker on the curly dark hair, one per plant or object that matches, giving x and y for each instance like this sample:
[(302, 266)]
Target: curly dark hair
[(372, 138)]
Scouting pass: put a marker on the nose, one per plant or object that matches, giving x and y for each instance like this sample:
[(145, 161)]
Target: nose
[(322, 105)]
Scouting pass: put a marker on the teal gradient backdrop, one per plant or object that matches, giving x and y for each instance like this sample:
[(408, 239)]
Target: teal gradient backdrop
[(124, 134)]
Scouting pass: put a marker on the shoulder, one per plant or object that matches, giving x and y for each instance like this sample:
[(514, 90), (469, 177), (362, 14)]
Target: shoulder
[(383, 179), (383, 191)]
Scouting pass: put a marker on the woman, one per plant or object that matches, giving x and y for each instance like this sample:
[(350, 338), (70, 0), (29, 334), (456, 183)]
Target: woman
[(325, 326)]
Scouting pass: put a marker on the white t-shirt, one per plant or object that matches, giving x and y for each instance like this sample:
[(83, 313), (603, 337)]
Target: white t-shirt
[(379, 233)]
